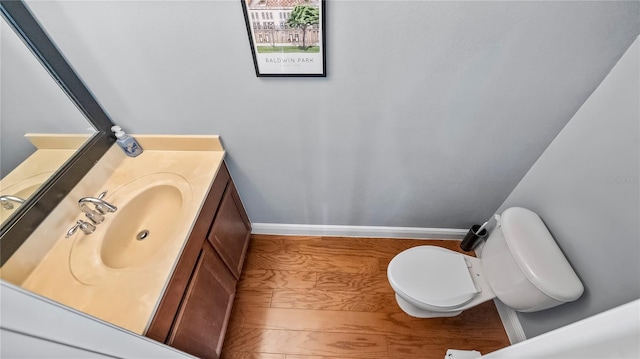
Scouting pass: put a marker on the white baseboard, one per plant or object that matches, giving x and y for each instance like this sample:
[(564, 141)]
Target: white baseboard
[(510, 322), (357, 231)]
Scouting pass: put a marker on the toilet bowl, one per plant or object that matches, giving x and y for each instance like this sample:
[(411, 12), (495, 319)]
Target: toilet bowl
[(431, 281), (521, 264)]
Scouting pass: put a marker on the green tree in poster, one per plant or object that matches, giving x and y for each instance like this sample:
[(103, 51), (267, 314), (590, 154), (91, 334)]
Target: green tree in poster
[(302, 17)]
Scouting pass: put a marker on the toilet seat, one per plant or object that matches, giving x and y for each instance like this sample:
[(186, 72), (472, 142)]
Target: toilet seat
[(432, 277)]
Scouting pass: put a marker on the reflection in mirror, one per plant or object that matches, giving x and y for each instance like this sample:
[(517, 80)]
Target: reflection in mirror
[(25, 219), (40, 127)]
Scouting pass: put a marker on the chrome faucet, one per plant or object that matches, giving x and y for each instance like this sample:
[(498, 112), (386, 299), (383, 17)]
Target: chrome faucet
[(94, 216), (6, 200), (102, 206)]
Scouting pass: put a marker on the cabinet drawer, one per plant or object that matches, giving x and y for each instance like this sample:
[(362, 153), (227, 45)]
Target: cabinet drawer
[(202, 319)]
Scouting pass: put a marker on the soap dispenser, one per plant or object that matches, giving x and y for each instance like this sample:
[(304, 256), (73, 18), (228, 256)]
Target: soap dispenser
[(129, 145)]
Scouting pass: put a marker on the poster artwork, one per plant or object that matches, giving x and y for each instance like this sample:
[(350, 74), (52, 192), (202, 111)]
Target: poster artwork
[(287, 36)]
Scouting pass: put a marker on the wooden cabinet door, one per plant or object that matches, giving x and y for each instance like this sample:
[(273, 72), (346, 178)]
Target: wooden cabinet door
[(231, 229), (202, 319)]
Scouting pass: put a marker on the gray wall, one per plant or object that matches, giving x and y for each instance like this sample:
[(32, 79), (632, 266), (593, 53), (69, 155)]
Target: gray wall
[(430, 115), (30, 101), (586, 188)]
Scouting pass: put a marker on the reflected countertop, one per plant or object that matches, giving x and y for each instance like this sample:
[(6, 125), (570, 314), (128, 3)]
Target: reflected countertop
[(52, 151)]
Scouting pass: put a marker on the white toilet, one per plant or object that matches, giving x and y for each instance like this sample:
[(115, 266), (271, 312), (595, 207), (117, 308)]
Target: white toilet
[(520, 264)]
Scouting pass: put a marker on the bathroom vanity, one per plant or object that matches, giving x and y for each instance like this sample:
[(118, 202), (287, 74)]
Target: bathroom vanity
[(165, 264), (193, 313)]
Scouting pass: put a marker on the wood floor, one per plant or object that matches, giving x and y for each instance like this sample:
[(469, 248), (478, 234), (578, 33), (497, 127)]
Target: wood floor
[(328, 298)]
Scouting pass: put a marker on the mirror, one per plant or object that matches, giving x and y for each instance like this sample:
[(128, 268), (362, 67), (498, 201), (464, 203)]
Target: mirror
[(51, 184), (40, 127)]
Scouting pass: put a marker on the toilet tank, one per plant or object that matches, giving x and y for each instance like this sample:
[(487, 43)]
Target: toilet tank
[(524, 265)]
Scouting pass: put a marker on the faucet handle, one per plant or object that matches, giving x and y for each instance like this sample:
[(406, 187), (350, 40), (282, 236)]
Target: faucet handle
[(93, 216), (6, 204), (86, 227), (6, 200), (100, 208)]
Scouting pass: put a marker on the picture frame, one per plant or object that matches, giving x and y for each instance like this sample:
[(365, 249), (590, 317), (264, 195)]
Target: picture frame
[(287, 37)]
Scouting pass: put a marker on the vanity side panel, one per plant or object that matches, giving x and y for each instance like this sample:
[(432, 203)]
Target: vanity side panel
[(168, 307), (243, 212), (231, 231)]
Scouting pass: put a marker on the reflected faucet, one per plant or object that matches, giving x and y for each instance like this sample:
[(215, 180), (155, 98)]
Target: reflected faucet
[(6, 200)]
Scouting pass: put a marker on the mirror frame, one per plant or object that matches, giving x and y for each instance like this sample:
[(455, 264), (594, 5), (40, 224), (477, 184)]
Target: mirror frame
[(31, 213)]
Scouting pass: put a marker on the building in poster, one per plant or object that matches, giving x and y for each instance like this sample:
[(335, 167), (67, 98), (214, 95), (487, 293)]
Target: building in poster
[(269, 21)]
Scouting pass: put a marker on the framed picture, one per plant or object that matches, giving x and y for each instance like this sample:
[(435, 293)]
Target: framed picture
[(287, 37)]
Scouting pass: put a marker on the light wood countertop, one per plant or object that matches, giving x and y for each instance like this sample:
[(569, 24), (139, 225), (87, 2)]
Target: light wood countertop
[(65, 269)]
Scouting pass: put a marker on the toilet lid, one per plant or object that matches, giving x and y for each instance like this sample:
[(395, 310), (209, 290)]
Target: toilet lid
[(432, 275)]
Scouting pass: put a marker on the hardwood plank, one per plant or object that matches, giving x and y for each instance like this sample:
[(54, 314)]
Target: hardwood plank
[(340, 281), (355, 301), (245, 355), (255, 297), (233, 333), (382, 248), (327, 321), (343, 345), (319, 262), (435, 346), (374, 247), (308, 357), (274, 244), (268, 278), (407, 346)]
